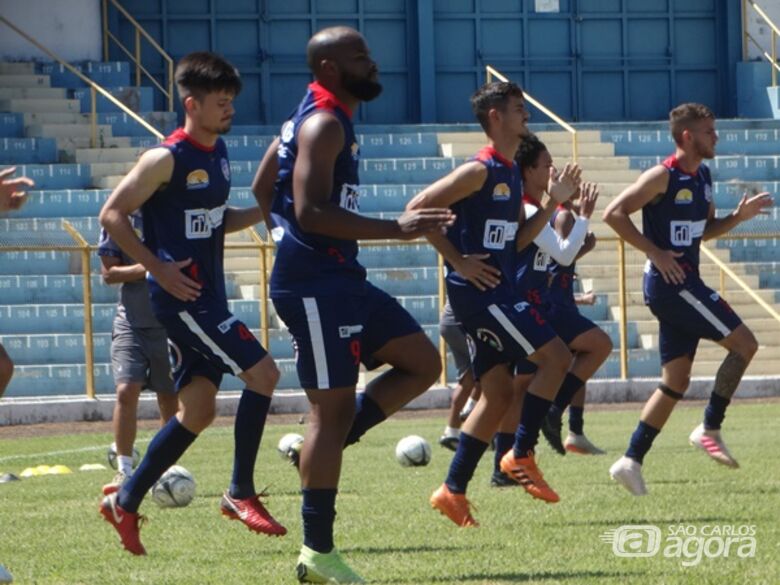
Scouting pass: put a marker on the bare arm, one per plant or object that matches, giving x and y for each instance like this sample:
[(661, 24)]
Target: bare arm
[(320, 140), (114, 272), (153, 170), (263, 183), (747, 209), (237, 219), (12, 191), (650, 185), (459, 184)]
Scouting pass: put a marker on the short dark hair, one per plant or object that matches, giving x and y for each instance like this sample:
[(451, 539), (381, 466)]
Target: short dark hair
[(683, 115), (201, 73), (493, 95), (529, 152)]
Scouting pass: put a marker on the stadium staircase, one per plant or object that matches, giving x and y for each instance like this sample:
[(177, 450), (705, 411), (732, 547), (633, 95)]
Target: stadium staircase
[(45, 132)]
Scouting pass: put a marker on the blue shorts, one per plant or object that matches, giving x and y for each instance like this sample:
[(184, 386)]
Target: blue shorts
[(693, 313), (568, 322), (209, 343), (333, 335), (505, 333)]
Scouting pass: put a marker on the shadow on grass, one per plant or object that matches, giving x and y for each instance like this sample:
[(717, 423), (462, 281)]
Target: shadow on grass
[(558, 576)]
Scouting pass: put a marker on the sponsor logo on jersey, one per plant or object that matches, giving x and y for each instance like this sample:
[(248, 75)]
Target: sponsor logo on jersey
[(288, 131), (541, 260), (199, 223), (224, 327), (490, 338), (347, 331), (225, 165), (497, 233), (197, 179), (680, 233), (350, 198), (501, 192), (683, 197)]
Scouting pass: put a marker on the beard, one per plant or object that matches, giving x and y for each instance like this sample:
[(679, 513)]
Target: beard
[(362, 88)]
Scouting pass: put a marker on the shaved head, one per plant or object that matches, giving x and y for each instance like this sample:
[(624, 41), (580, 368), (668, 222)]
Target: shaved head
[(332, 44)]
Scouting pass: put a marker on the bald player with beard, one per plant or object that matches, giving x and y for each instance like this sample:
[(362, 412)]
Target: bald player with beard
[(308, 184)]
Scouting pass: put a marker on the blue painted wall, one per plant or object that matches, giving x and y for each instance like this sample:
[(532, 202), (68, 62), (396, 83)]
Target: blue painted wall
[(593, 60)]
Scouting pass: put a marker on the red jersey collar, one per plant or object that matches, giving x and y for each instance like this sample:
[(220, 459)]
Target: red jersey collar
[(672, 162), (179, 134), (530, 200), (491, 152), (324, 98)]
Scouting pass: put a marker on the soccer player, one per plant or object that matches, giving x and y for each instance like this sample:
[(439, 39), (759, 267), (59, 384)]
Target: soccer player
[(452, 332), (182, 188), (336, 317), (677, 214), (139, 351), (481, 252)]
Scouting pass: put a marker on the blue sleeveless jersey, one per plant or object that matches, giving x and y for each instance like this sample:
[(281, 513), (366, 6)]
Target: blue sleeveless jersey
[(486, 223), (561, 280), (676, 221), (310, 264), (531, 272), (184, 219)]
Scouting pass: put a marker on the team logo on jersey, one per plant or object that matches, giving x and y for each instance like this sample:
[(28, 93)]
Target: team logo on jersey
[(225, 165), (174, 355), (541, 260), (683, 197), (197, 179), (288, 131), (355, 150), (199, 223), (501, 192), (347, 331), (680, 233), (708, 193), (497, 233), (487, 336)]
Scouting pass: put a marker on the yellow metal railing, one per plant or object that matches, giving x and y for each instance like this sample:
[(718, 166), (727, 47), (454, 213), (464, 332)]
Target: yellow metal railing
[(770, 56), (135, 56), (94, 88), (491, 73)]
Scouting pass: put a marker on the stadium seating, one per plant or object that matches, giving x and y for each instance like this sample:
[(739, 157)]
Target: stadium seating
[(45, 132)]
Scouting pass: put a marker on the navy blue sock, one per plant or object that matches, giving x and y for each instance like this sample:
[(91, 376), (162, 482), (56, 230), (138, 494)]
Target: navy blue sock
[(535, 408), (576, 422), (504, 442), (319, 512), (247, 432), (715, 412), (167, 446), (367, 415), (641, 441), (465, 461), (571, 384)]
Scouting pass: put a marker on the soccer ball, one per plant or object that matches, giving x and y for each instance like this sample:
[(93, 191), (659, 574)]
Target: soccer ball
[(112, 456), (289, 446), (413, 451), (175, 489)]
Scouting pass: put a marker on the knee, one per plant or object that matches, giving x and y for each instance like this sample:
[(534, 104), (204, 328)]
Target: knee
[(604, 345), (127, 395), (198, 418), (748, 347), (555, 357), (263, 377)]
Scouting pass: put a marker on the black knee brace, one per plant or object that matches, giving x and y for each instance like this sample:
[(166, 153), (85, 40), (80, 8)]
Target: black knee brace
[(669, 392)]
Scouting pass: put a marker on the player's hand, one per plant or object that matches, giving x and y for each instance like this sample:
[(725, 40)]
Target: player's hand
[(12, 191), (587, 298), (589, 193), (169, 276), (748, 208), (665, 262), (588, 243), (418, 222), (563, 185), (479, 273)]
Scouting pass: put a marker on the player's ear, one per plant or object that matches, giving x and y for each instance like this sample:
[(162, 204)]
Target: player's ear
[(190, 104)]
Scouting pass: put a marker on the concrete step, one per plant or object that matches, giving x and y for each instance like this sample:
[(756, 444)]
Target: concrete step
[(17, 68), (596, 163), (66, 130), (55, 118), (106, 169), (557, 150), (107, 182), (40, 105), (108, 155), (24, 80), (48, 93), (67, 146), (548, 137)]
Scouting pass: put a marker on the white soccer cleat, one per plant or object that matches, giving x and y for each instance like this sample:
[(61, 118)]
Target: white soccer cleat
[(712, 444), (628, 473), (581, 444)]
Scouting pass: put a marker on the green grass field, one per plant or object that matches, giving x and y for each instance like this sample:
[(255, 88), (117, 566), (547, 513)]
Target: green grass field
[(50, 530)]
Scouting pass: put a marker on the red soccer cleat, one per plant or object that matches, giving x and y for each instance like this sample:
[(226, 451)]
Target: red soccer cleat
[(252, 513), (127, 524)]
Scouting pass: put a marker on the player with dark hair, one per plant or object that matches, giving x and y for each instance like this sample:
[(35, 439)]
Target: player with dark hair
[(182, 188), (337, 319), (481, 252), (678, 212)]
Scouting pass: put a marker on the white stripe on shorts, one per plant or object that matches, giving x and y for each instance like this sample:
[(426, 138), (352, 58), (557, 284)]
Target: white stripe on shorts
[(317, 342), (511, 329), (705, 312), (196, 329)]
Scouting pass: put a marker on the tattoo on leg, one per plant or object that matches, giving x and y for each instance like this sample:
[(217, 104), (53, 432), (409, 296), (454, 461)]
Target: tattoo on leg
[(729, 375)]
